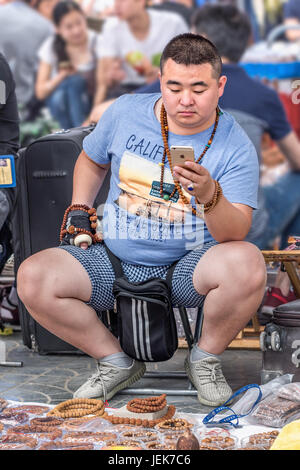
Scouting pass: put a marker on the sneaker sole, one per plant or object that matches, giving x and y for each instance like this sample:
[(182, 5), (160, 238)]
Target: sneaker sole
[(203, 401), (139, 374)]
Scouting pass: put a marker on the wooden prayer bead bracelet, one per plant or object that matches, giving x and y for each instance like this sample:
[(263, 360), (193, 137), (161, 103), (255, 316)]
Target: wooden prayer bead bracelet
[(263, 437), (33, 409), (77, 407), (146, 423), (147, 405), (17, 417), (215, 199), (144, 436), (13, 446), (65, 446), (159, 446), (50, 434), (216, 443), (74, 423), (48, 422), (19, 439), (76, 230), (124, 442), (174, 424), (89, 436)]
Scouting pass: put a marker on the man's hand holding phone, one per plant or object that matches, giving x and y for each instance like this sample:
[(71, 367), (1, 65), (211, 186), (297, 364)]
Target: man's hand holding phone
[(203, 186)]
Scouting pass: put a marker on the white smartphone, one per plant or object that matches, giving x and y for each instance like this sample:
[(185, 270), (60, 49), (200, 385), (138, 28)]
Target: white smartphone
[(181, 154)]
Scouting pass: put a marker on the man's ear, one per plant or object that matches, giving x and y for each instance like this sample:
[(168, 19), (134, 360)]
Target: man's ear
[(222, 83), (159, 75)]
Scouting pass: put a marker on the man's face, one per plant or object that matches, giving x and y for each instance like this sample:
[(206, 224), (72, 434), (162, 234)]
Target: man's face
[(190, 94), (126, 9)]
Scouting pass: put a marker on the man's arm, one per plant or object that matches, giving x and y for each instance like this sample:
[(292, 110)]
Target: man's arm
[(290, 147), (227, 221), (88, 177)]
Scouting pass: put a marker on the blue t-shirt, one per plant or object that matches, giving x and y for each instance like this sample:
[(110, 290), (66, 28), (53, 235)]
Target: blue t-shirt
[(138, 225)]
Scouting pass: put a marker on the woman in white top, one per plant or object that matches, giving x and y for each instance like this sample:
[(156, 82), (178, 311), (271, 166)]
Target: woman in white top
[(66, 77)]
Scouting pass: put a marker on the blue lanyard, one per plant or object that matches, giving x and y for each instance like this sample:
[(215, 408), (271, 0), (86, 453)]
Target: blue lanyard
[(234, 417)]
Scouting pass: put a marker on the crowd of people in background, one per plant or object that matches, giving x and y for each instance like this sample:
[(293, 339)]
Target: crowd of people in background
[(100, 49), (70, 57)]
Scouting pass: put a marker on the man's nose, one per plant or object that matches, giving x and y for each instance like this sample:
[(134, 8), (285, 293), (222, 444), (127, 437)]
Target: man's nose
[(186, 98)]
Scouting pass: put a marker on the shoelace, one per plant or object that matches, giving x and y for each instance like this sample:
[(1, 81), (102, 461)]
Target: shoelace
[(211, 374), (103, 373)]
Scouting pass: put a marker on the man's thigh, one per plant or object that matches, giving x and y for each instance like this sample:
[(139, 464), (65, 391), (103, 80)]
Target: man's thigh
[(99, 272), (53, 272), (183, 286), (233, 264)]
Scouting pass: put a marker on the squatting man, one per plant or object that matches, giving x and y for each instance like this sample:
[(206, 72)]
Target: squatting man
[(63, 287)]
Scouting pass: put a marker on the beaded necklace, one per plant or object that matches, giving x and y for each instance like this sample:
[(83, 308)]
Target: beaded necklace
[(165, 133)]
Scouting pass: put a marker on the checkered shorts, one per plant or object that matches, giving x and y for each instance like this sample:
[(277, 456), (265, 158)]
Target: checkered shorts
[(101, 274)]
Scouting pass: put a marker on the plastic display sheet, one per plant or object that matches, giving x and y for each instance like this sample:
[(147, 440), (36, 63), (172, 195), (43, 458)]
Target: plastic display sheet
[(148, 439)]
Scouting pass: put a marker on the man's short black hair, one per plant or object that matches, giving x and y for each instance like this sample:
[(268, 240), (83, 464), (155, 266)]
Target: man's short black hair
[(192, 49), (226, 26)]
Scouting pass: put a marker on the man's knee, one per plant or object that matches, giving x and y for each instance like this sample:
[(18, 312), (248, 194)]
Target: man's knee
[(31, 278), (246, 263)]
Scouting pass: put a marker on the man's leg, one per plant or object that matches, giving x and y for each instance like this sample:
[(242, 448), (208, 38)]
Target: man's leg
[(55, 287), (232, 276)]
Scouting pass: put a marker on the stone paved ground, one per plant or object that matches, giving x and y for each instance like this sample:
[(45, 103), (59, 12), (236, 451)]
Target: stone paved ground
[(52, 379)]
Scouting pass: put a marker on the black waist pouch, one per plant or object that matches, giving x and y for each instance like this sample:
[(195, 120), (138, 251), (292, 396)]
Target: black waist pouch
[(146, 324)]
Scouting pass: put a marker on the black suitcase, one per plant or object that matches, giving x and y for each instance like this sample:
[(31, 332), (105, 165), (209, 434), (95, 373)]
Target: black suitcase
[(44, 189), (280, 342)]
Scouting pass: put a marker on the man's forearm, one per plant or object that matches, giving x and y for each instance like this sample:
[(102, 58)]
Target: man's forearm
[(87, 180), (226, 222)]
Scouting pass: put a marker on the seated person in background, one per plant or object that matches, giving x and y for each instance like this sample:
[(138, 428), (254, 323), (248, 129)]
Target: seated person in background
[(66, 77), (185, 8), (154, 215), (22, 31), (136, 38), (291, 18)]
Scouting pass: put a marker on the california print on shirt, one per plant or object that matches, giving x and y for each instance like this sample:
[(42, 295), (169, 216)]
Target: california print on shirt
[(140, 191)]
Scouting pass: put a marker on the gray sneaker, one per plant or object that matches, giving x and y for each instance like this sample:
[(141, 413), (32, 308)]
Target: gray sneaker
[(207, 377), (109, 379)]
